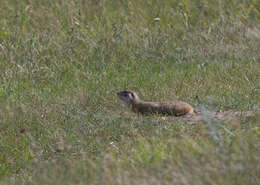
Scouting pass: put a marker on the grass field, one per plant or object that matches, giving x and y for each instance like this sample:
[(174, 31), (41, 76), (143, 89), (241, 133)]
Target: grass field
[(62, 62)]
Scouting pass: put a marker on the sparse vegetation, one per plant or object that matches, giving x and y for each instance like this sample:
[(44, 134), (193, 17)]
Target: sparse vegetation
[(61, 63)]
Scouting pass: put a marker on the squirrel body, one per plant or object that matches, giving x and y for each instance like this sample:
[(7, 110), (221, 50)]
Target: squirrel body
[(175, 108)]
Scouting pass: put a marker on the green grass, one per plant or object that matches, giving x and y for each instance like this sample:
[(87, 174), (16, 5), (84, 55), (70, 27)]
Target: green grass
[(62, 62)]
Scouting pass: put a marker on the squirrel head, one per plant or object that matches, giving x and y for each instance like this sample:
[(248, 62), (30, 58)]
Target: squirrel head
[(127, 96)]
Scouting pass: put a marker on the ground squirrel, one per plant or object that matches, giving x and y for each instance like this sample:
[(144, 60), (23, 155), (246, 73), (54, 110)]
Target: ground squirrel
[(132, 101)]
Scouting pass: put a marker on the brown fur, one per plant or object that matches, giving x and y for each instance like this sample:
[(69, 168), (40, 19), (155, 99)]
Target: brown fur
[(132, 101)]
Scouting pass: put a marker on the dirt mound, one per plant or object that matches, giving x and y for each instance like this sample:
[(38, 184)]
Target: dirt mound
[(225, 116)]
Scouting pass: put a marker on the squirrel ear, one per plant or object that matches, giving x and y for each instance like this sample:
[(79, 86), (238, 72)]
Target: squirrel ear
[(132, 94)]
